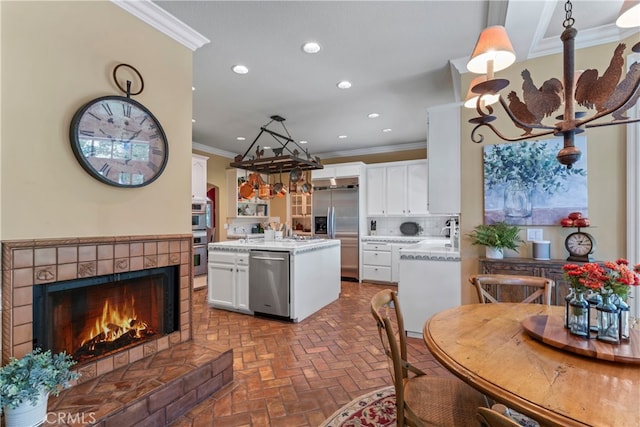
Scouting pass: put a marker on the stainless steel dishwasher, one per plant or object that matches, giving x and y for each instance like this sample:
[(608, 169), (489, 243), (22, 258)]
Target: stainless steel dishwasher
[(269, 282)]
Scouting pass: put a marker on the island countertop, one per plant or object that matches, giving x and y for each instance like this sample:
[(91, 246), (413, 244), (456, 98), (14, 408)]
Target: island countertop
[(290, 245)]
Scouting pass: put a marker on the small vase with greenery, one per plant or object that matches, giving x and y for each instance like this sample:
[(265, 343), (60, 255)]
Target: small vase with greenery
[(499, 236), (34, 375)]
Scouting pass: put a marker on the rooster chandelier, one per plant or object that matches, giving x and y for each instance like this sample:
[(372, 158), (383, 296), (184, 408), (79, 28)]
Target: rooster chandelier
[(607, 94)]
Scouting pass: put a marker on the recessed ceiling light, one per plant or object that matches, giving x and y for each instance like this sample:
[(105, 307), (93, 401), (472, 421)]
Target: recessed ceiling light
[(240, 138), (386, 130), (193, 88), (342, 136), (345, 84), (311, 47), (240, 69), (303, 142), (193, 120), (373, 115), (266, 147)]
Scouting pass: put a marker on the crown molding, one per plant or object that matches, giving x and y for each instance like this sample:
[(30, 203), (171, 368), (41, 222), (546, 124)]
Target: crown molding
[(212, 150), (164, 22), (373, 150)]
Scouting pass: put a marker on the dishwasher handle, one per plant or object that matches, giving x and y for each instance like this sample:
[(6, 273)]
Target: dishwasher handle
[(268, 258)]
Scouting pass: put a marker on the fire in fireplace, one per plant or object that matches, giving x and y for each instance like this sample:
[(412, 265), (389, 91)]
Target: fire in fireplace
[(94, 317)]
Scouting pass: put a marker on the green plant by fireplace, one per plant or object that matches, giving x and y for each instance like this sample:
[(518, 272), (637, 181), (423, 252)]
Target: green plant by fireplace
[(23, 379)]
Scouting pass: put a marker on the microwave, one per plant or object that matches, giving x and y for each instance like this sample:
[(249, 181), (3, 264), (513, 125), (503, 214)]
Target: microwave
[(198, 221)]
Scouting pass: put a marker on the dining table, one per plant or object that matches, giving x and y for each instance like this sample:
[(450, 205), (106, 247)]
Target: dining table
[(495, 349)]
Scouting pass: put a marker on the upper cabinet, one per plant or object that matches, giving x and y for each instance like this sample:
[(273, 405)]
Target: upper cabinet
[(443, 152), (198, 176), (339, 170), (397, 189)]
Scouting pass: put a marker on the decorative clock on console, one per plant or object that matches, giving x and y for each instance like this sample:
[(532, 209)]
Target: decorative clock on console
[(580, 246), (118, 140)]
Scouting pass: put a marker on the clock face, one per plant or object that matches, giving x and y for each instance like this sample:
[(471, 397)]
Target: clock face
[(119, 141), (579, 243)]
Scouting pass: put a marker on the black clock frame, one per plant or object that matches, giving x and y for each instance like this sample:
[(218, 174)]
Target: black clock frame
[(77, 151)]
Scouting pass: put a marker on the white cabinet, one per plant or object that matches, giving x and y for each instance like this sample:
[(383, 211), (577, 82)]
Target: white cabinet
[(397, 189), (443, 151), (300, 213), (376, 187), (238, 206), (376, 262), (228, 281), (339, 170), (395, 260), (417, 189), (198, 176)]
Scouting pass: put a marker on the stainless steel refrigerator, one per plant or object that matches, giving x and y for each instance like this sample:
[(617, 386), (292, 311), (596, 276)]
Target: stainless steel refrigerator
[(335, 216)]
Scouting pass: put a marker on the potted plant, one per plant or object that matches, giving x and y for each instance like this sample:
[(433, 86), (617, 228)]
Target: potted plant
[(25, 385), (496, 237)]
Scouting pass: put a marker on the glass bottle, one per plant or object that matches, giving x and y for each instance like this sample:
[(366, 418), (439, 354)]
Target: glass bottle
[(567, 300), (608, 320), (623, 317), (579, 315), (594, 299)]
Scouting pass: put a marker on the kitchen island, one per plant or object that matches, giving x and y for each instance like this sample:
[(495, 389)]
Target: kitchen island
[(312, 270)]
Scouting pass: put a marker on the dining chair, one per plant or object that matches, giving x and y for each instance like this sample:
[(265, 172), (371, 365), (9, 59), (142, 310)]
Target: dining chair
[(495, 288), (421, 399)]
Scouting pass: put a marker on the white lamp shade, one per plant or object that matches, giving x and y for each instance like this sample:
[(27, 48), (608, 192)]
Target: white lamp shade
[(629, 14), (493, 45), (471, 99)]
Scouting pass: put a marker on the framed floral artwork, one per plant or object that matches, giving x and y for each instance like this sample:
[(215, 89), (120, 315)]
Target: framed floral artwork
[(524, 184)]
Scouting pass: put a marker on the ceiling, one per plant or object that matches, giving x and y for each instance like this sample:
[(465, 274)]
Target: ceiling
[(402, 58)]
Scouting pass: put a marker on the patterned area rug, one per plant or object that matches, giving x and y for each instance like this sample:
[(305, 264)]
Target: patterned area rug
[(375, 409)]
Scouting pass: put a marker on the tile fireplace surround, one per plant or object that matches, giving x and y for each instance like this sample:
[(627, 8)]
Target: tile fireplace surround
[(29, 263)]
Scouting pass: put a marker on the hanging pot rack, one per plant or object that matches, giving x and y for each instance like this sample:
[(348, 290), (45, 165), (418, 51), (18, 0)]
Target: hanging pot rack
[(288, 156)]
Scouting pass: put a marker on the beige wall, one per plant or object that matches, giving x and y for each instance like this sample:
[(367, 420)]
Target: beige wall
[(56, 56), (606, 169)]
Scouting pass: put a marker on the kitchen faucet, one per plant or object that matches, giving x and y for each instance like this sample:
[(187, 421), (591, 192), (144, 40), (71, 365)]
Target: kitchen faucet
[(454, 233)]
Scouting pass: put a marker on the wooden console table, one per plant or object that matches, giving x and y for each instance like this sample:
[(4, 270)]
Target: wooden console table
[(551, 269)]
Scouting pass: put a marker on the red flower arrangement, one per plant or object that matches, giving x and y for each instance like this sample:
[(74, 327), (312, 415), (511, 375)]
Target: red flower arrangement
[(606, 278)]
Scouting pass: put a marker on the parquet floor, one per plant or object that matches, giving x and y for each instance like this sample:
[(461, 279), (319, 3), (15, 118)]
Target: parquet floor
[(296, 374)]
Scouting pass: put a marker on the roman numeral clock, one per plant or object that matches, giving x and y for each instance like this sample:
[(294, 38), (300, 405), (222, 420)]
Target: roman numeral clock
[(117, 140)]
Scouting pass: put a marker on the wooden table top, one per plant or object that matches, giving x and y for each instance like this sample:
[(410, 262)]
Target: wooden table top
[(486, 346)]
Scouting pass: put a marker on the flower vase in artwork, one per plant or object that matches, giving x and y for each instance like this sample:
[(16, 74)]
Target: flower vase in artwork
[(608, 321), (517, 201), (579, 315)]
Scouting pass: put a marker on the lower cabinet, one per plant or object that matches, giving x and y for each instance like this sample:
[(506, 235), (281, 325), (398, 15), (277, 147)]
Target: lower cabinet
[(395, 260), (376, 262), (551, 269), (228, 281)]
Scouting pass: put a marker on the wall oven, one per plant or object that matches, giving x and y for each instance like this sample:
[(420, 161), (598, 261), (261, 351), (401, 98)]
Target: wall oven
[(199, 252)]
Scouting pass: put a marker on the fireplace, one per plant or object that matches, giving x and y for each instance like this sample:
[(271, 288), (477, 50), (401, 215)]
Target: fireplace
[(48, 271), (95, 317)]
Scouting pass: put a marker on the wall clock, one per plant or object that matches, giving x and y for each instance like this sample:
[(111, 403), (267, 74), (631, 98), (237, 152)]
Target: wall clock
[(118, 141), (580, 246)]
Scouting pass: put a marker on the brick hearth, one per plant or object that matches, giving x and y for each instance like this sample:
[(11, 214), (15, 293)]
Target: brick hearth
[(29, 263)]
